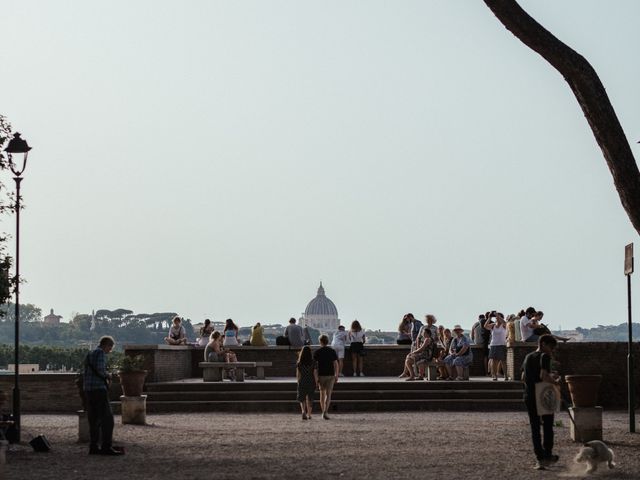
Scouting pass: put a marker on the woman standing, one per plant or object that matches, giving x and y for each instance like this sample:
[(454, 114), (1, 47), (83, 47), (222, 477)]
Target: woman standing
[(460, 355), (306, 382), (230, 334), (338, 343), (404, 331), (205, 332), (497, 345), (357, 340)]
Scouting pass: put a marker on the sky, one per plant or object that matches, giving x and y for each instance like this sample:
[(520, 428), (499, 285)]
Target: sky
[(221, 158)]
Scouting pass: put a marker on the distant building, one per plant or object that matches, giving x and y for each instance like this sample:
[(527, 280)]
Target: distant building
[(52, 319), (24, 367), (321, 313)]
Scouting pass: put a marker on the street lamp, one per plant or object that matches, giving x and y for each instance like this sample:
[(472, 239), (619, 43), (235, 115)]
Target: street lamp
[(18, 146)]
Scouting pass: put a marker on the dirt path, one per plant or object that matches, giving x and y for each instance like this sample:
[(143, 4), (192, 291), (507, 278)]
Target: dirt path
[(412, 445)]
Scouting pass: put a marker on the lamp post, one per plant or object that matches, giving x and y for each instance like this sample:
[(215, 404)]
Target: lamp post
[(17, 145)]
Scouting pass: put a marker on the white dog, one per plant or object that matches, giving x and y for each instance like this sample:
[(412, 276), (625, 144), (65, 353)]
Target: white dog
[(593, 453)]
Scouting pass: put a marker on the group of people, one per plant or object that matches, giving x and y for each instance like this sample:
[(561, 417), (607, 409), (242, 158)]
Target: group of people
[(449, 349)]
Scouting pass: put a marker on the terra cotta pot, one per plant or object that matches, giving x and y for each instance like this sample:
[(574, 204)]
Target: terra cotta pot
[(584, 389), (132, 382)]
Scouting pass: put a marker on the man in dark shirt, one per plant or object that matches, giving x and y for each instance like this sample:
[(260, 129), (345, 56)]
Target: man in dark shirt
[(326, 373), (537, 368), (96, 381)]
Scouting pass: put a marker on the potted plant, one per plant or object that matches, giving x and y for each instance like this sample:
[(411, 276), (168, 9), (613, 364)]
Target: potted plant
[(132, 375)]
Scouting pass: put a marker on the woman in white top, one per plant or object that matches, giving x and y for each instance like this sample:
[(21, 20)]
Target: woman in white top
[(338, 343), (497, 345), (357, 340), (230, 334)]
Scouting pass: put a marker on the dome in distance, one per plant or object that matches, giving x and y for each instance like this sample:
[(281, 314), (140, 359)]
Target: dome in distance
[(321, 305)]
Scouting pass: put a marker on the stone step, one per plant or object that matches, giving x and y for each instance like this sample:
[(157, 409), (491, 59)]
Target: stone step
[(337, 406), (337, 395), (273, 385)]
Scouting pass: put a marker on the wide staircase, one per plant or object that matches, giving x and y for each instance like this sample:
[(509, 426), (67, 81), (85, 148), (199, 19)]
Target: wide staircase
[(349, 395)]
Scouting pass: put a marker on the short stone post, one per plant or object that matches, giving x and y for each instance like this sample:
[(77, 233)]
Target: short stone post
[(83, 427), (4, 445), (587, 424), (134, 409)]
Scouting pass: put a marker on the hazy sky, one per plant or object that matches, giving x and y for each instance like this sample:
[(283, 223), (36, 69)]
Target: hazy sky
[(220, 158)]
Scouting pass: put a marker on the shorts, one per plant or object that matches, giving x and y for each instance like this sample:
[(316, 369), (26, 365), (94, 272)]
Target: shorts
[(339, 351), (357, 348), (498, 352), (325, 382)]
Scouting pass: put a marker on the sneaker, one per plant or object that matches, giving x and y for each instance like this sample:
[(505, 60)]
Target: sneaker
[(495, 379), (539, 465), (111, 451), (355, 374), (304, 416), (325, 416), (94, 450), (341, 375), (361, 374), (459, 379), (548, 459)]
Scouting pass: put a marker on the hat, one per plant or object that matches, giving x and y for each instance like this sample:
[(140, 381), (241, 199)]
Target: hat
[(457, 327)]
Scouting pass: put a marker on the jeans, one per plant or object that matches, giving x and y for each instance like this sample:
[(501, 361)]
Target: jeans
[(100, 418), (542, 448)]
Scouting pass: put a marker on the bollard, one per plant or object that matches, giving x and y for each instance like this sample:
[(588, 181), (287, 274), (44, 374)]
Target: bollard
[(3, 453), (587, 423), (134, 410), (83, 427)]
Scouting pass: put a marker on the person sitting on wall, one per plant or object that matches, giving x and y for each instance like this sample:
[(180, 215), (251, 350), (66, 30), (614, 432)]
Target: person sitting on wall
[(528, 325), (257, 336), (294, 333), (460, 355), (177, 333)]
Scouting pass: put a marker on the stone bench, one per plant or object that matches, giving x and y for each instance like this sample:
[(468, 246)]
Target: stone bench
[(260, 366), (212, 371)]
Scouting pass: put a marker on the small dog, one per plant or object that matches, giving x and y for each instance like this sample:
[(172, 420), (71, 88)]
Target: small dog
[(593, 453)]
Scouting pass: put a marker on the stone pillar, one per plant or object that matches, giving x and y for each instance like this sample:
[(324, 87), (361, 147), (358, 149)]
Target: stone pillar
[(587, 424), (83, 427), (4, 445), (134, 409)]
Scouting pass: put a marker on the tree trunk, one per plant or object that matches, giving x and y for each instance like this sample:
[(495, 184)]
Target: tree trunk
[(591, 96)]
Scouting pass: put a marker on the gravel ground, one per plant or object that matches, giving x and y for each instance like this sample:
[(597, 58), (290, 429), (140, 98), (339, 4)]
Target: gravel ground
[(412, 445)]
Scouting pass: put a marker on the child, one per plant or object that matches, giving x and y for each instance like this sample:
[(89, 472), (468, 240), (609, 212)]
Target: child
[(306, 382)]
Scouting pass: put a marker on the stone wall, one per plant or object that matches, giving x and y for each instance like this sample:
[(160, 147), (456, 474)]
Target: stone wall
[(164, 363), (168, 363), (47, 392), (608, 359)]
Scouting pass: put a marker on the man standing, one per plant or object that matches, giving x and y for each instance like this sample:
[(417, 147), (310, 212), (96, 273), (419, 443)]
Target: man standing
[(325, 372), (294, 333), (96, 381), (537, 368)]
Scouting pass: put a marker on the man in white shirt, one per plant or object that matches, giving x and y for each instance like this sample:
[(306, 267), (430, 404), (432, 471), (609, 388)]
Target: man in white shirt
[(528, 325)]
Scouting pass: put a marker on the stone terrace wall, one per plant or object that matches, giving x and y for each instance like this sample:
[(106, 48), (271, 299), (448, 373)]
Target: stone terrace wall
[(608, 359), (47, 393), (168, 363)]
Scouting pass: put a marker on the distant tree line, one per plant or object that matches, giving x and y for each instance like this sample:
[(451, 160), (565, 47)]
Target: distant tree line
[(84, 330), (51, 358), (610, 333)]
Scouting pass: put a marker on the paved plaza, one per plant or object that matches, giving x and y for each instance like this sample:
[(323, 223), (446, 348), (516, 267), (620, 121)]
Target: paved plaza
[(439, 445)]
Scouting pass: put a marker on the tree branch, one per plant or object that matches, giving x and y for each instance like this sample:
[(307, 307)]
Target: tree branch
[(591, 96)]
